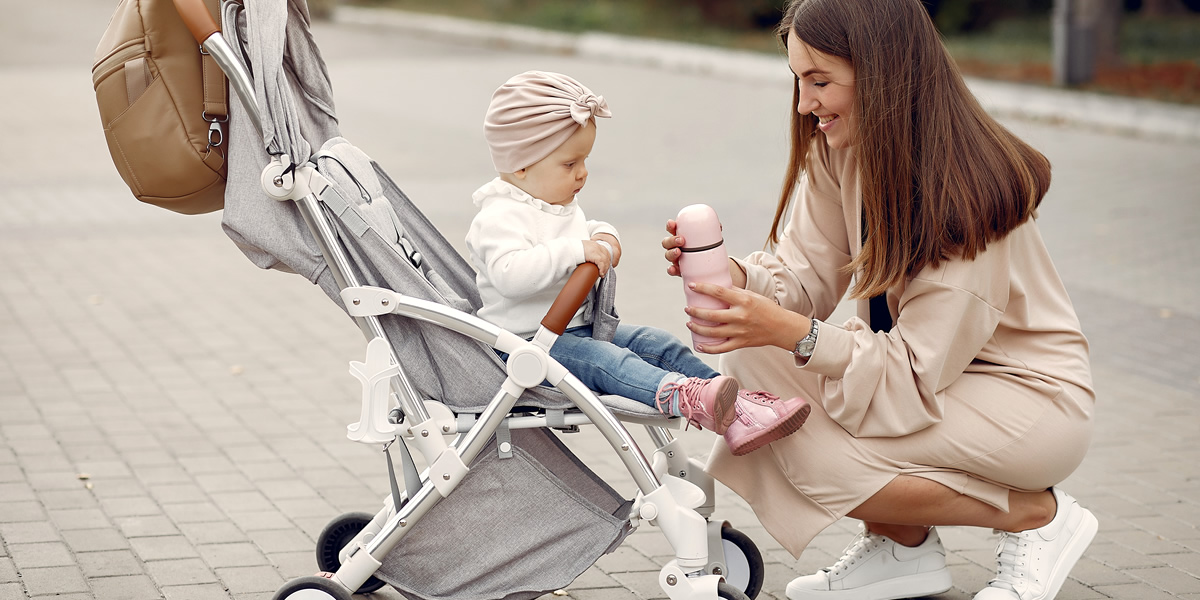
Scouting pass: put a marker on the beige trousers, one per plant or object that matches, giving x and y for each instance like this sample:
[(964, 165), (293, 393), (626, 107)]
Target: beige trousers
[(999, 432)]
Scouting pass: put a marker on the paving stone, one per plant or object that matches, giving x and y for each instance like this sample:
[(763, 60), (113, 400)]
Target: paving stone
[(8, 570), (27, 532), (232, 555), (243, 580), (261, 520), (12, 591), (1167, 578), (94, 540), (129, 587), (82, 518), (53, 580), (210, 591), (213, 533), (68, 499), (281, 540), (185, 571), (137, 506), (163, 547), (108, 563), (46, 554), (294, 564), (19, 512), (145, 526)]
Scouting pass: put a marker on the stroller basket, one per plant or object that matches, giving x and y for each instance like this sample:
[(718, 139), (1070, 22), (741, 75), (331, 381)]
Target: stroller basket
[(547, 518), (503, 510)]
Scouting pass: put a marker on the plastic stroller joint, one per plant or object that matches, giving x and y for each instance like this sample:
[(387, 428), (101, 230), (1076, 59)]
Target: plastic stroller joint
[(683, 527), (681, 585), (375, 375), (283, 180)]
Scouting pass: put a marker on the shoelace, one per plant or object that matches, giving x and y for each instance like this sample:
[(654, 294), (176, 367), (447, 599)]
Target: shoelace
[(760, 395), (1011, 553), (755, 395), (859, 548), (688, 391)]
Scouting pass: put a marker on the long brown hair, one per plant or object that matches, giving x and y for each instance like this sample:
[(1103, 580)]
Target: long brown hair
[(940, 177)]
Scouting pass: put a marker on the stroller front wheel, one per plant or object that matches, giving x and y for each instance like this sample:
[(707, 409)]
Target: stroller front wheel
[(726, 591), (313, 587), (334, 537), (743, 562)]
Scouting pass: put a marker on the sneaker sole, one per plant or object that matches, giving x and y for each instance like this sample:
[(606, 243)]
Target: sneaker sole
[(1080, 540), (723, 409), (908, 586), (787, 426)]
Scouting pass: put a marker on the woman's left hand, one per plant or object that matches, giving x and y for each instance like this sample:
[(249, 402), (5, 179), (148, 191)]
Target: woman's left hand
[(750, 321)]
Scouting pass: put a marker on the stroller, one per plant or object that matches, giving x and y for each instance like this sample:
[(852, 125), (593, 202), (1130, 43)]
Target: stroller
[(503, 510)]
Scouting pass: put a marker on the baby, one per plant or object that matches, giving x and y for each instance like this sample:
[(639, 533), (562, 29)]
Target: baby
[(530, 234)]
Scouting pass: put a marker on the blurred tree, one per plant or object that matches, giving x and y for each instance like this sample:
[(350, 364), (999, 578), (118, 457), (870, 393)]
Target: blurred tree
[(1084, 38), (740, 14), (1159, 8)]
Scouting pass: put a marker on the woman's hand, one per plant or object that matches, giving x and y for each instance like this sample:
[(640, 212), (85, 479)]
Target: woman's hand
[(674, 249), (613, 243), (672, 246), (750, 321)]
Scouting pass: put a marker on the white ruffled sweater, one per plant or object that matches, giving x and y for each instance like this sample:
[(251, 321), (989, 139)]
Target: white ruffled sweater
[(524, 250)]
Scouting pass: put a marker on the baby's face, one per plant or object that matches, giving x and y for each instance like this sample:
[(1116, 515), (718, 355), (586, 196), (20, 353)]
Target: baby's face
[(558, 177)]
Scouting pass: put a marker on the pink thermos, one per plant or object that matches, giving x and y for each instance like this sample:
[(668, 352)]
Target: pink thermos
[(703, 259)]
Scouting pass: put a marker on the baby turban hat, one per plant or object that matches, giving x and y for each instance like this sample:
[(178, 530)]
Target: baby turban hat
[(535, 112)]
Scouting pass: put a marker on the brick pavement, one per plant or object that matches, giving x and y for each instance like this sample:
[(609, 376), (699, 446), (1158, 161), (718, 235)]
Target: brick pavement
[(171, 417)]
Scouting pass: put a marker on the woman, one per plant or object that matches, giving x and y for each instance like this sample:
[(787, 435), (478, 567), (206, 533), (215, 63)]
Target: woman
[(977, 401)]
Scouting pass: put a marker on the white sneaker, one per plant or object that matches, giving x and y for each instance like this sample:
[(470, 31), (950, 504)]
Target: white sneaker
[(1033, 564), (874, 567)]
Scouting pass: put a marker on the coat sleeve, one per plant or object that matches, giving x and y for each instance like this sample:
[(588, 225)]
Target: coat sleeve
[(516, 263), (887, 384), (805, 274)]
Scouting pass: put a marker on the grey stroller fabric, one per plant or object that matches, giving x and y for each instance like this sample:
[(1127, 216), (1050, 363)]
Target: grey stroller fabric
[(467, 549), (557, 515)]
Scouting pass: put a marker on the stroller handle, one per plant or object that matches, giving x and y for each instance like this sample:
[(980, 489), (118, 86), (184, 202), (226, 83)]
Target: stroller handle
[(197, 18), (571, 297)]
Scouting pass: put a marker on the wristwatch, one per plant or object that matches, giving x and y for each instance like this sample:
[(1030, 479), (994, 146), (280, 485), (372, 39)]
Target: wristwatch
[(805, 347)]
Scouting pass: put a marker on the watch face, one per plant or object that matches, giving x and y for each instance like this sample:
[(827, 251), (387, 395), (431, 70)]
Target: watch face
[(805, 348)]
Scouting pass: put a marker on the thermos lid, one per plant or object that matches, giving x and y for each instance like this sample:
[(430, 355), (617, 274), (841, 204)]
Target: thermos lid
[(698, 225)]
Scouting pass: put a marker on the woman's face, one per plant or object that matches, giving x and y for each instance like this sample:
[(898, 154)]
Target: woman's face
[(826, 86)]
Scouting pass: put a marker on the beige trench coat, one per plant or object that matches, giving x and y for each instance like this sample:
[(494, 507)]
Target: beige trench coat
[(983, 384)]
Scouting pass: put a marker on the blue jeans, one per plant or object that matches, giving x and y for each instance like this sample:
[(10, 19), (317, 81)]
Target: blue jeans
[(633, 365)]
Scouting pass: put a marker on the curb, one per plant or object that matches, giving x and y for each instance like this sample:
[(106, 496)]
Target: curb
[(1111, 114)]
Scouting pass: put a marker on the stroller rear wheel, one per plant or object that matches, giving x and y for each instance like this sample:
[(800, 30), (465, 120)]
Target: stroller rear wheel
[(334, 537), (313, 587), (743, 562)]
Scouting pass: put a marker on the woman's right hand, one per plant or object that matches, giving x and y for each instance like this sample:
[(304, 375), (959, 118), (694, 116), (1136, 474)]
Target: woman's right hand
[(672, 245)]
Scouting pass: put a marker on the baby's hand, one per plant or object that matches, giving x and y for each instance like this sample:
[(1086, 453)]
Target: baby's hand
[(597, 255)]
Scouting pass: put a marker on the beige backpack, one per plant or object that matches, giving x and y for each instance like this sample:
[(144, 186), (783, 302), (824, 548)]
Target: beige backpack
[(163, 104)]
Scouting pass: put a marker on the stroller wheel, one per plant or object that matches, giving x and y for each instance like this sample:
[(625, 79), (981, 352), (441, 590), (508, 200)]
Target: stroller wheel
[(313, 587), (725, 591), (743, 562), (334, 537)]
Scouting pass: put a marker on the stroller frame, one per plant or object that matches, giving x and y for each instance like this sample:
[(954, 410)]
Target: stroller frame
[(674, 492)]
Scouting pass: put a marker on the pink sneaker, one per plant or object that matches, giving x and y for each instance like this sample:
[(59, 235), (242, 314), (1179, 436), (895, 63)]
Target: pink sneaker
[(708, 403), (763, 418)]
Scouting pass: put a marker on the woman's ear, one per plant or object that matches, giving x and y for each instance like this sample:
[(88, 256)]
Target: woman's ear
[(519, 174)]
